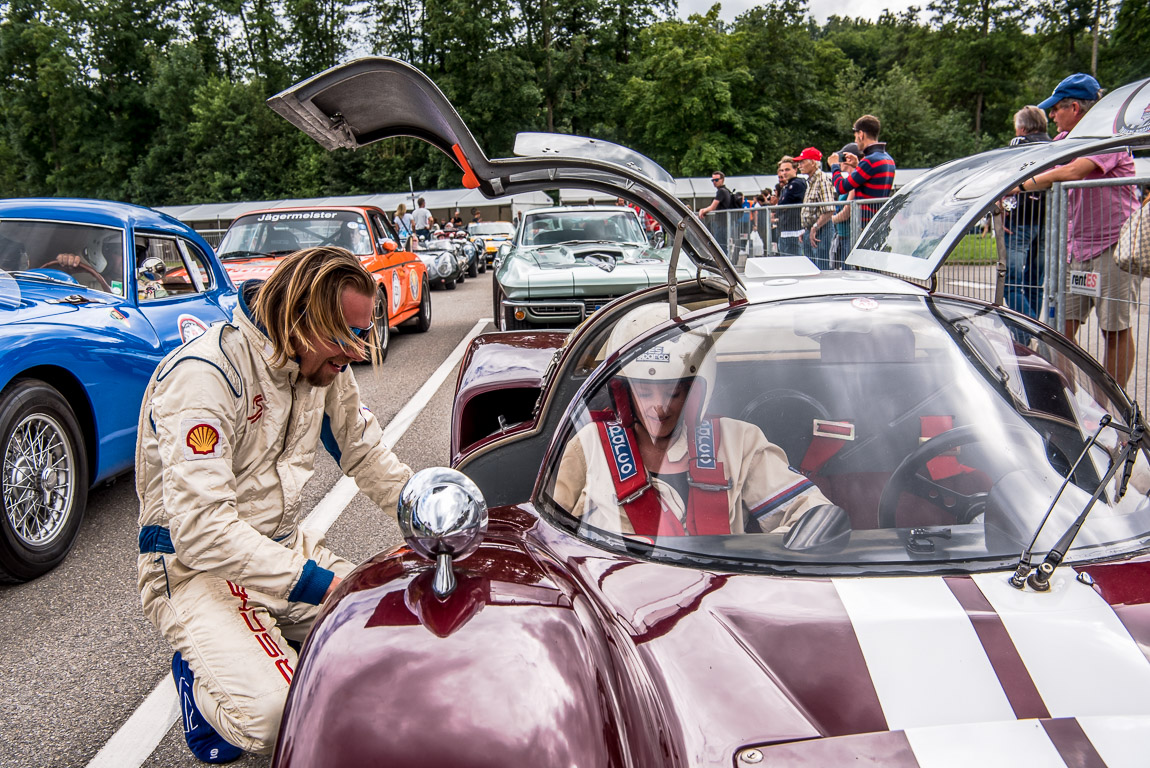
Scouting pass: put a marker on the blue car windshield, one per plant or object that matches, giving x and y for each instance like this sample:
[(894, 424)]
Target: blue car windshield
[(855, 433), (89, 255)]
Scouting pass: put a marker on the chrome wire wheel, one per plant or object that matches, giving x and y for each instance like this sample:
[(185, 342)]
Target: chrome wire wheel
[(39, 482)]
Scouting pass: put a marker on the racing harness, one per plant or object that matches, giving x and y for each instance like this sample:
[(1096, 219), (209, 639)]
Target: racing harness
[(708, 508)]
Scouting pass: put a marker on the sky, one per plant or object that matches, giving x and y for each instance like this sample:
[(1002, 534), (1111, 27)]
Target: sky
[(820, 9)]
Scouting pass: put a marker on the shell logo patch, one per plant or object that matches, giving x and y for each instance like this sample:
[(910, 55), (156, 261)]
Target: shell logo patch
[(202, 439), (413, 284)]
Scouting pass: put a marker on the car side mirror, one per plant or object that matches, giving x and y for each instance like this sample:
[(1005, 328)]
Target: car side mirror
[(388, 245), (443, 517)]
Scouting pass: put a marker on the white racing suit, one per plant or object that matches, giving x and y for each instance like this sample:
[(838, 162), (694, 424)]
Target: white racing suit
[(763, 494), (226, 443)]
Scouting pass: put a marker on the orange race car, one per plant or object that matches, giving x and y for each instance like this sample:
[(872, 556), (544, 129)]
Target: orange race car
[(256, 241)]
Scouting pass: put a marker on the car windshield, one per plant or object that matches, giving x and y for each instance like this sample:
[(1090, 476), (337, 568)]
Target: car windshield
[(846, 435), (77, 253), (280, 233), (492, 228), (556, 227)]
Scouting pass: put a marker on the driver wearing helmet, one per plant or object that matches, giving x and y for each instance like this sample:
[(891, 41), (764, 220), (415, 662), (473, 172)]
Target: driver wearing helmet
[(105, 254), (654, 464)]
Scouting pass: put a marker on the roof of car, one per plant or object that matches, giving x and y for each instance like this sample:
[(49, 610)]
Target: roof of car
[(101, 212), (580, 209), (347, 208)]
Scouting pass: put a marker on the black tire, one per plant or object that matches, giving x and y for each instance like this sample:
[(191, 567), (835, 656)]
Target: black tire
[(482, 261), (42, 511), (473, 267), (423, 319), (382, 329), (449, 285), (496, 305)]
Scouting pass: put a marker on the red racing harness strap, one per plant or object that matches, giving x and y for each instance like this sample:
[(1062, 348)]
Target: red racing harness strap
[(707, 503)]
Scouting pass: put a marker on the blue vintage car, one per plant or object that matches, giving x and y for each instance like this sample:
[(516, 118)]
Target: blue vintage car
[(92, 295)]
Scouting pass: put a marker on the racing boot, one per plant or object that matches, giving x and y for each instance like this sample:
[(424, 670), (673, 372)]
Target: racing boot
[(207, 745)]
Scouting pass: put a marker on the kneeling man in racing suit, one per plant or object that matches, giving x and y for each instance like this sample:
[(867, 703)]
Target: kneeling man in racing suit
[(653, 465), (227, 439)]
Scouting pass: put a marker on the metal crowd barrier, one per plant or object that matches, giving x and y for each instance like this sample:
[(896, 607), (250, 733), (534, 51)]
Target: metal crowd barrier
[(745, 233)]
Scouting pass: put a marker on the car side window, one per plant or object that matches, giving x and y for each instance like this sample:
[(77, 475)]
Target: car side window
[(383, 230), (167, 267)]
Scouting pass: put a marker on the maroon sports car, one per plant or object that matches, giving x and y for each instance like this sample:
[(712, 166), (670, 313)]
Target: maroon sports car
[(972, 587)]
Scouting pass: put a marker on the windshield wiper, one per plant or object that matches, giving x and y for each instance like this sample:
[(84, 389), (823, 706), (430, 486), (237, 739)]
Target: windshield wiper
[(237, 255), (1039, 579)]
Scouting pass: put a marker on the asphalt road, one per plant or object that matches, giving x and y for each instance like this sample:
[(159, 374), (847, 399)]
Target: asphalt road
[(77, 656)]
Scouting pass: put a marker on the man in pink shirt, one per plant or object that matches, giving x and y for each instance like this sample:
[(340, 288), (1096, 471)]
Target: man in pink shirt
[(1095, 218)]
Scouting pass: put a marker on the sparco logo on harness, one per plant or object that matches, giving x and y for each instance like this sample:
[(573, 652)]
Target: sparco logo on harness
[(705, 445), (621, 451)]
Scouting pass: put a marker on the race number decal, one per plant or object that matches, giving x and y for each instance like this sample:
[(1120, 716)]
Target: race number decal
[(190, 327), (396, 291), (201, 439), (1085, 283)]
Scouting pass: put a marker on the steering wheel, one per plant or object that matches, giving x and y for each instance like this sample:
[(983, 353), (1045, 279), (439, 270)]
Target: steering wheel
[(909, 478), (81, 267)]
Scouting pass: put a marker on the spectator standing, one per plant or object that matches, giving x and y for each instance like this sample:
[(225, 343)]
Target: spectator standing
[(457, 220), (1023, 226), (723, 201), (421, 220), (816, 241), (842, 216), (476, 216), (791, 219), (402, 222), (871, 176), (1095, 218)]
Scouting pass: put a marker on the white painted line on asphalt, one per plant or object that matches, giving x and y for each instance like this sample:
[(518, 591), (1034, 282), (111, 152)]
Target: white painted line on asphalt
[(138, 738)]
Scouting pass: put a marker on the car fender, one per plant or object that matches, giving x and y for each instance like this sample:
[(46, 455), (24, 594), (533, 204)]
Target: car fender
[(501, 376), (513, 668)]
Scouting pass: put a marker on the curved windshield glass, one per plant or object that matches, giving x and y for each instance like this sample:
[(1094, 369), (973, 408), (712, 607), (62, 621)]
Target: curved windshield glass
[(880, 433), (90, 255), (492, 228), (555, 227), (281, 233)]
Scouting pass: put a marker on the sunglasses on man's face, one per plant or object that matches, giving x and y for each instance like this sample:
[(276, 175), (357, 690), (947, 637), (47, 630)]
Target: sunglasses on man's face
[(363, 334), (716, 181)]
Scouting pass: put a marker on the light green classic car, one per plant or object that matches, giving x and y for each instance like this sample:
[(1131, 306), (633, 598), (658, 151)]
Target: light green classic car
[(565, 263)]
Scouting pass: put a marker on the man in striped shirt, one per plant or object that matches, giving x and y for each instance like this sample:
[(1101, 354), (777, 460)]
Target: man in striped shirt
[(870, 176)]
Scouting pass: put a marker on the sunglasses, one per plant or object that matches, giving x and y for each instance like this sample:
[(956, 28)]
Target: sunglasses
[(715, 181), (362, 334)]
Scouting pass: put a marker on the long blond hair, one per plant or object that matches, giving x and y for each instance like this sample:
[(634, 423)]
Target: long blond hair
[(400, 211), (303, 300)]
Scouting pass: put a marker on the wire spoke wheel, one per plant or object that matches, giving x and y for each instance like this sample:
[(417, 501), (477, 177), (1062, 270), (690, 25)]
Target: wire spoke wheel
[(39, 483), (43, 479)]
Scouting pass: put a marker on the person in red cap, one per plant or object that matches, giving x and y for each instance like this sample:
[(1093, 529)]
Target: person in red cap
[(816, 241)]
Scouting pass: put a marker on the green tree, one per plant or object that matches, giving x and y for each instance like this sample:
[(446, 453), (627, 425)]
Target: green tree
[(681, 100)]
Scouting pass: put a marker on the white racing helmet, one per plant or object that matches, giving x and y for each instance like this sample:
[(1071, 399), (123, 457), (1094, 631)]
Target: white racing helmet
[(680, 356)]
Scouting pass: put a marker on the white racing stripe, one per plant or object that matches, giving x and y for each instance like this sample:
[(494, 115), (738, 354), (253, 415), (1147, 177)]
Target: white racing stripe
[(1081, 658), (924, 657), (138, 738), (985, 745), (1120, 741)]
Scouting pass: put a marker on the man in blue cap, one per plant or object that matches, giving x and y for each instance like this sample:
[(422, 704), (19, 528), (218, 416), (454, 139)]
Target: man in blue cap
[(1095, 219)]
